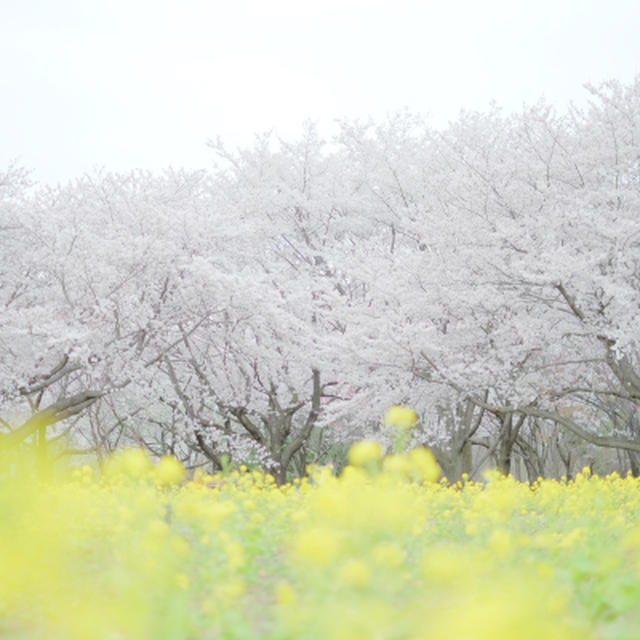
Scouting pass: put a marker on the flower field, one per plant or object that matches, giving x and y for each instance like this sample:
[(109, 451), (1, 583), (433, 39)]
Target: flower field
[(383, 551)]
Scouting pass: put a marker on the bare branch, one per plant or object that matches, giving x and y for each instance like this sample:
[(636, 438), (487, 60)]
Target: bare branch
[(209, 452), (600, 441), (570, 301), (56, 412), (62, 369), (184, 335), (240, 413), (302, 436)]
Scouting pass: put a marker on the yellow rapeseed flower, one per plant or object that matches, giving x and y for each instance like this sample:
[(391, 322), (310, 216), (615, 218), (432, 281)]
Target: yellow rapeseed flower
[(316, 546), (230, 590), (388, 555), (500, 541), (400, 417), (131, 463), (182, 582), (396, 465), (364, 452), (423, 463), (168, 471), (285, 595), (354, 573)]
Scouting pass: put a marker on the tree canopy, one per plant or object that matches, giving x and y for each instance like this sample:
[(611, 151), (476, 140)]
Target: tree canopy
[(273, 307)]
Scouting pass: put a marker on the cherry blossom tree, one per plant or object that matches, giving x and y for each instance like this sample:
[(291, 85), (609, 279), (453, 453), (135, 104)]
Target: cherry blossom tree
[(515, 280), (169, 297), (486, 274), (92, 269)]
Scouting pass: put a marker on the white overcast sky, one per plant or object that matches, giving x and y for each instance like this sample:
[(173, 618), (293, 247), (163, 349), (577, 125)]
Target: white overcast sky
[(144, 83)]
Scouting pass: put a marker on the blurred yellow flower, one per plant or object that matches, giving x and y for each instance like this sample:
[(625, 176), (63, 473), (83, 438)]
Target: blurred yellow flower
[(128, 463), (316, 546), (182, 582), (285, 595), (168, 471), (500, 541), (354, 573), (230, 590), (400, 417), (397, 465), (423, 463), (388, 555), (364, 452)]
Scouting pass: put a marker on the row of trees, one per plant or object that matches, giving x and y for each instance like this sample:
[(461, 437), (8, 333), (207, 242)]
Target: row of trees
[(270, 309)]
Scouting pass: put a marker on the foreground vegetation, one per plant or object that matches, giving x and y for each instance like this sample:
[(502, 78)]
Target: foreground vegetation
[(383, 551)]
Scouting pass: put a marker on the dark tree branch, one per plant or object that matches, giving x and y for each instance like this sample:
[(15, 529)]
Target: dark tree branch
[(611, 442), (570, 301), (304, 433), (240, 414), (476, 426), (209, 452), (54, 413), (62, 369)]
